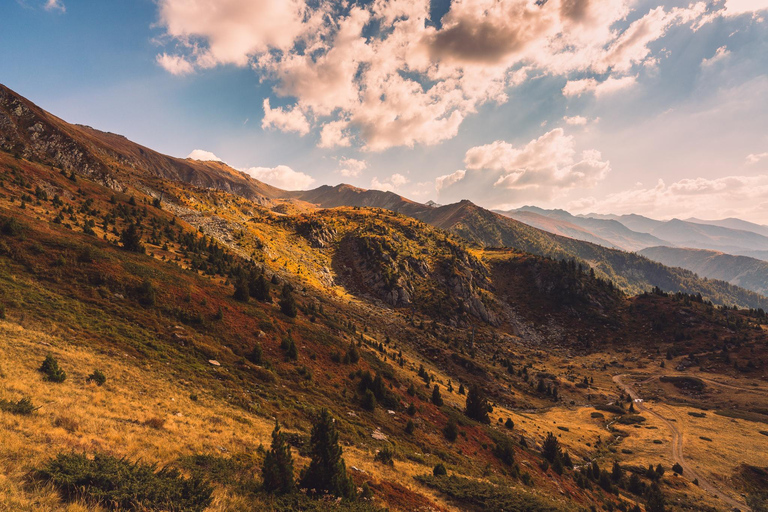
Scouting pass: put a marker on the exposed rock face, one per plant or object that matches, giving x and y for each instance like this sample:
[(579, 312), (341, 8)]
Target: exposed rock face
[(449, 284), (29, 133)]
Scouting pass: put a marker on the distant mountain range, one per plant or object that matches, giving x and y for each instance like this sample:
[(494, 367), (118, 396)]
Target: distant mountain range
[(29, 132)]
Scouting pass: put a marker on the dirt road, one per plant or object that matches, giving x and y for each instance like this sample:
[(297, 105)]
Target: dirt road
[(677, 447)]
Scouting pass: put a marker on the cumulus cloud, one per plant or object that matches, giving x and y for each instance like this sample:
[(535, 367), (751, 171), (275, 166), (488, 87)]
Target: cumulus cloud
[(378, 75), (350, 167), (449, 179), (753, 158), (501, 173), (389, 184), (203, 155), (549, 161), (174, 64), (55, 5), (282, 176), (287, 120)]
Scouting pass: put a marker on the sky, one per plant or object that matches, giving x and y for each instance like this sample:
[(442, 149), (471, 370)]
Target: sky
[(607, 106)]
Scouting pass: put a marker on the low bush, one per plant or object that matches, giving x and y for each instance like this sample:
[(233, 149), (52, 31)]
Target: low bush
[(22, 406), (97, 377), (119, 484), (386, 456), (51, 371)]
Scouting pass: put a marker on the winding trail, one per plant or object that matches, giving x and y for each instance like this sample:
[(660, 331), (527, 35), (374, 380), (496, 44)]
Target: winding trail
[(677, 445)]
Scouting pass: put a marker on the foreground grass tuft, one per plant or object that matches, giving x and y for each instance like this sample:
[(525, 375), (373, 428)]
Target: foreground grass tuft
[(123, 485)]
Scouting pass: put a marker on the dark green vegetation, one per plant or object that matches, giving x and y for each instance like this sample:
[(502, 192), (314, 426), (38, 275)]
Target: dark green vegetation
[(123, 485)]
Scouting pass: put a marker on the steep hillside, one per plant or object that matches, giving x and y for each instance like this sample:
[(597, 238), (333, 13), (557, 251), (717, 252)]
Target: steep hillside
[(29, 132), (749, 273)]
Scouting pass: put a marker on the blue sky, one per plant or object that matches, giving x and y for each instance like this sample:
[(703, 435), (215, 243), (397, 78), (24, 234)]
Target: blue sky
[(594, 105)]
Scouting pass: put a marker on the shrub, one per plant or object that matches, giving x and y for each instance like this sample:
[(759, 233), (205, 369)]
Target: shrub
[(505, 451), (277, 471), (97, 377), (386, 456), (451, 430), (439, 470), (677, 469), (22, 406), (122, 485), (509, 424), (2, 311), (146, 293), (410, 427), (256, 355), (156, 423), (51, 371)]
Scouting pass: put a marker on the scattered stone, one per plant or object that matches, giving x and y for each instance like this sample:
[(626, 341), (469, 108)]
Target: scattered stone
[(214, 362)]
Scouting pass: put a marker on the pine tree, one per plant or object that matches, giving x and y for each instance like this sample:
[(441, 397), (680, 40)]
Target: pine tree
[(655, 499), (277, 471), (617, 474), (327, 471), (550, 448), (451, 430), (241, 288), (477, 405), (258, 287), (287, 302), (130, 239), (436, 398)]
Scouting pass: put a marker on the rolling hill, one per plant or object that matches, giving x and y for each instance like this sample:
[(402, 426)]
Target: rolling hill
[(749, 273)]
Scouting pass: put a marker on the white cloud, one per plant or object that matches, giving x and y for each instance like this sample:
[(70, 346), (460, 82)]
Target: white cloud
[(55, 5), (175, 64), (575, 120), (721, 54), (410, 82), (449, 179), (587, 85), (727, 196), (753, 158), (281, 176), (737, 7), (287, 120), (202, 155), (389, 184), (501, 173), (350, 167)]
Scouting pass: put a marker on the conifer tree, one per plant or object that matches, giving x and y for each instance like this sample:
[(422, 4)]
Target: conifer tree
[(477, 405), (277, 471), (287, 302), (436, 398), (258, 287), (327, 472)]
